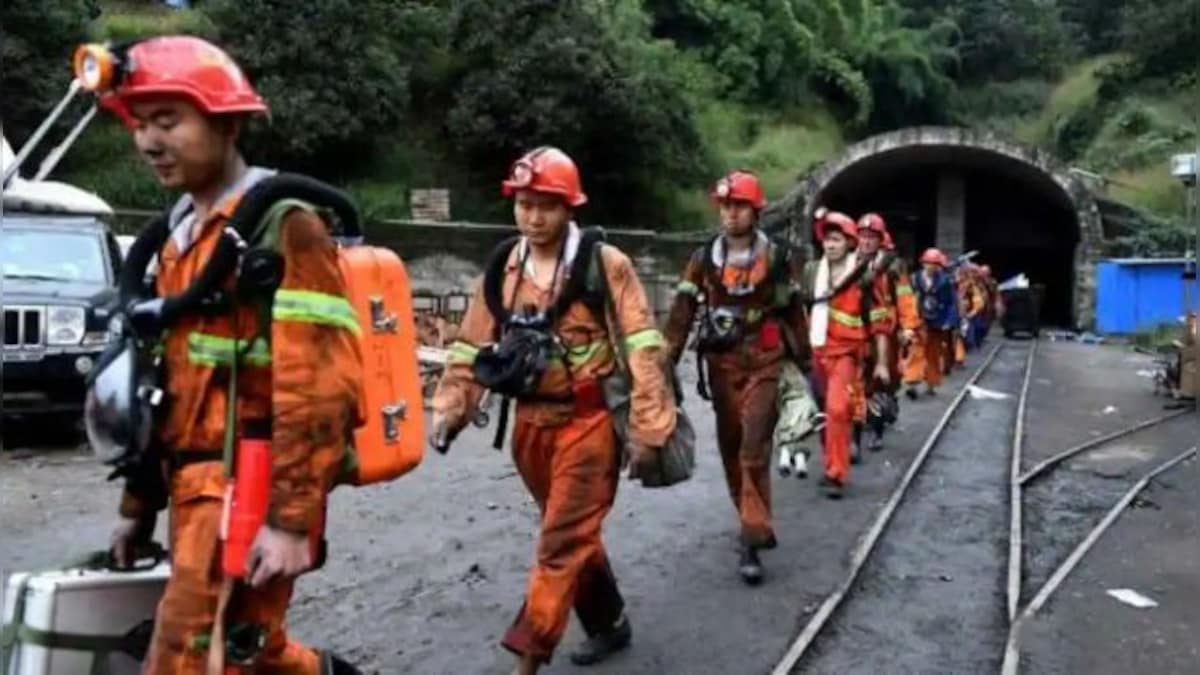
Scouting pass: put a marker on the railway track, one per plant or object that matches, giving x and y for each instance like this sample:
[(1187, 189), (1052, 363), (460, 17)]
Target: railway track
[(953, 582)]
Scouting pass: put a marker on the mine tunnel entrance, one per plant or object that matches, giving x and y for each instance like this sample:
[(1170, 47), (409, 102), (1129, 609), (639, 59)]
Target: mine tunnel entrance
[(962, 199)]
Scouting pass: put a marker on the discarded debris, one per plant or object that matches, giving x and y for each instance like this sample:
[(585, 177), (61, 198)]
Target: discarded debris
[(987, 394), (1132, 598), (1146, 373), (492, 506), (1110, 410)]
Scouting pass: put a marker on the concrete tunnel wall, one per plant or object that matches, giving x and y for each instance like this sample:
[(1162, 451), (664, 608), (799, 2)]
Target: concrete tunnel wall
[(951, 158)]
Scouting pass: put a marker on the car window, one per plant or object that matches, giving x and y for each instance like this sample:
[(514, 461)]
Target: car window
[(52, 255)]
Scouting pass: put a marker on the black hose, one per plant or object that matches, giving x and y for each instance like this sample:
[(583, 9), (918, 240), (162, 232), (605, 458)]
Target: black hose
[(133, 269)]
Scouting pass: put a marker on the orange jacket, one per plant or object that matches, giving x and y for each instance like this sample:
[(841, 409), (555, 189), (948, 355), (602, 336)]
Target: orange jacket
[(589, 353), (306, 384), (907, 314), (848, 332), (769, 300)]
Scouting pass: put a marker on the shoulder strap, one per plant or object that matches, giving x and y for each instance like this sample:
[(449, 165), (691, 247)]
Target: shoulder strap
[(585, 281), (493, 281)]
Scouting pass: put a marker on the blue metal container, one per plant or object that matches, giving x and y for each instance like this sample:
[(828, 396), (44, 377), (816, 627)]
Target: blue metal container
[(1137, 294)]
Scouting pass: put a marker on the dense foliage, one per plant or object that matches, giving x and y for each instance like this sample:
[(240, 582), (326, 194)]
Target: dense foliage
[(654, 97)]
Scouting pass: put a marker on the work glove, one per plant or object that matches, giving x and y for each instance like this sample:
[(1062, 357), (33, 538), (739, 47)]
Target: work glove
[(146, 317)]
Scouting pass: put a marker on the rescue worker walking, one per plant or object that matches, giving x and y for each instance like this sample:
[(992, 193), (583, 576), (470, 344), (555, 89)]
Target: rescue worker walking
[(527, 330), (847, 316), (973, 294), (185, 102), (938, 305), (875, 244), (743, 283)]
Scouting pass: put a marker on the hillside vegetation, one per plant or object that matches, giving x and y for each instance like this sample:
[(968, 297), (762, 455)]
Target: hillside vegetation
[(655, 98)]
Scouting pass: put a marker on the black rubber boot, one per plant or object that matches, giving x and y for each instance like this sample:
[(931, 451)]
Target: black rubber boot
[(831, 488), (875, 440), (856, 445), (750, 567), (912, 393), (603, 645)]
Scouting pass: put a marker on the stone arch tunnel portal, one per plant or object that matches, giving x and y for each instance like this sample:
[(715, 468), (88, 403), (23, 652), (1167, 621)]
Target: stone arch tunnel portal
[(951, 189)]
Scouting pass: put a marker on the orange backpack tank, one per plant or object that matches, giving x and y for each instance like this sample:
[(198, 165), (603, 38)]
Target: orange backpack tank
[(391, 441)]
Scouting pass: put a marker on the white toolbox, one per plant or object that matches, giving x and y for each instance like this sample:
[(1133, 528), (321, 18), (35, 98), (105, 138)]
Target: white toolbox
[(79, 621)]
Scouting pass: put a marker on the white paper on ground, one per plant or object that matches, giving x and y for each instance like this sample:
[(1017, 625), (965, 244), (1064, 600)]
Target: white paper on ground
[(1132, 597), (981, 393)]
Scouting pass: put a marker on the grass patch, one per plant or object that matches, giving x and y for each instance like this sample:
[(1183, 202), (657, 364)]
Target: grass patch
[(1076, 92), (1152, 188), (780, 147)]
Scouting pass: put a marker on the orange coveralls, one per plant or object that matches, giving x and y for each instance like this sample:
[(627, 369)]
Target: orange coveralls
[(908, 317), (566, 453), (745, 379), (838, 365), (305, 388)]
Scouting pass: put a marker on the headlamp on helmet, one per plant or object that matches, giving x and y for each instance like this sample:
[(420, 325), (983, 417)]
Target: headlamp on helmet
[(96, 67)]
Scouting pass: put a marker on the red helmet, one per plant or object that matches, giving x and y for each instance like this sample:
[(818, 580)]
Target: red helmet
[(840, 221), (932, 256), (174, 65), (873, 222), (888, 243), (546, 169), (740, 186)]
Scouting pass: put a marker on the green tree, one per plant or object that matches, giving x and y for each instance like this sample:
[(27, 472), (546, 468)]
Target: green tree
[(335, 73), (1004, 39), (37, 39), (759, 49), (894, 73), (537, 72), (1096, 22), (1164, 37)]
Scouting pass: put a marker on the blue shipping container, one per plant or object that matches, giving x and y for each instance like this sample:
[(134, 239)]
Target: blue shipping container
[(1135, 294)]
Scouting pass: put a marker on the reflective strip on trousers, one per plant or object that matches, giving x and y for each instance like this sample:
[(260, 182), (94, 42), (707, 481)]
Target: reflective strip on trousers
[(313, 307)]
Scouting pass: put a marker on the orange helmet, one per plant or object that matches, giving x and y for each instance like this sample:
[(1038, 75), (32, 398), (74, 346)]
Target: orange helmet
[(546, 169), (840, 221), (932, 256), (740, 186), (873, 222), (178, 65)]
